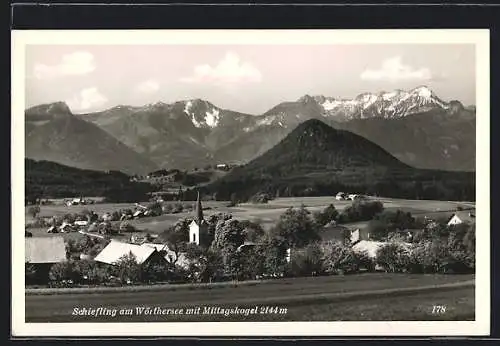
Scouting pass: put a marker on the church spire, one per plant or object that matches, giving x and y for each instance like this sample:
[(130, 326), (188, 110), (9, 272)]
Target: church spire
[(199, 210)]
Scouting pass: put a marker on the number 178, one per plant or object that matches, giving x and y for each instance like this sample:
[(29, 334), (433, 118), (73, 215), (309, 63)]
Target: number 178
[(438, 309)]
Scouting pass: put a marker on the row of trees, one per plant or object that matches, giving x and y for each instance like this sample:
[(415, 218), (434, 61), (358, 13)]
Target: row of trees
[(223, 260), (432, 185)]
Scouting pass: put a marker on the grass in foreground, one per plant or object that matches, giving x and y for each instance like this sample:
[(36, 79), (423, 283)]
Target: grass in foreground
[(306, 299)]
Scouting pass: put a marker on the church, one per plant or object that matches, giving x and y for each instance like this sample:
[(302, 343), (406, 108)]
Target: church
[(198, 229)]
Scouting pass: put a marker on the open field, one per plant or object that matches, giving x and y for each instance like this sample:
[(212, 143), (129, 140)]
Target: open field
[(357, 297), (266, 214)]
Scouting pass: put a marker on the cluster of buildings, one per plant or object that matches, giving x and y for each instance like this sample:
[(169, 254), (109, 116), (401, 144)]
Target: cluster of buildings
[(342, 196)]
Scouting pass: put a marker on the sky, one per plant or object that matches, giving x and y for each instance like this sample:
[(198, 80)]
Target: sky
[(245, 78)]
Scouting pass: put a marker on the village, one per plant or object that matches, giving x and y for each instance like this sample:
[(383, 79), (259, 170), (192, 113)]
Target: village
[(206, 244)]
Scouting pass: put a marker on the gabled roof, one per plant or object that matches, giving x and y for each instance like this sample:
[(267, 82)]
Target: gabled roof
[(116, 249), (371, 247), (465, 216), (170, 255), (44, 250)]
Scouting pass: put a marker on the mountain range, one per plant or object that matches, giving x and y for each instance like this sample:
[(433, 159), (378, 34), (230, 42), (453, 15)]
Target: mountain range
[(415, 126)]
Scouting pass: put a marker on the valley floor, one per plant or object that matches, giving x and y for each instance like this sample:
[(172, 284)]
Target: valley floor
[(266, 214)]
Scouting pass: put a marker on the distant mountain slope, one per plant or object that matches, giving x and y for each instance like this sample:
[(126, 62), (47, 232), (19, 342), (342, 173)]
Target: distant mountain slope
[(318, 159), (53, 133), (416, 126), (179, 135), (45, 179), (435, 139)]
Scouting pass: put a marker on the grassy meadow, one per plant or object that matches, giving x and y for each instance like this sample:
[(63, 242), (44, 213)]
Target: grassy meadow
[(266, 214), (373, 296)]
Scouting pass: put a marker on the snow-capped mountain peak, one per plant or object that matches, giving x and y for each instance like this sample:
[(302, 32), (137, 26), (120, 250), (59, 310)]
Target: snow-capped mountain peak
[(202, 113), (392, 104)]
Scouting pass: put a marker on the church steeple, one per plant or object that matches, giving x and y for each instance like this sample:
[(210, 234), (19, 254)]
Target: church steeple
[(199, 210)]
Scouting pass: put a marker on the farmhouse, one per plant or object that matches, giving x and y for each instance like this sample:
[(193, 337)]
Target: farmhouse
[(199, 227), (43, 252), (462, 217), (340, 196), (169, 255), (115, 250)]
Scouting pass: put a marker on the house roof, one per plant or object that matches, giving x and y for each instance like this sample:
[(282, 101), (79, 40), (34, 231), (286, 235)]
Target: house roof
[(371, 247), (44, 250), (465, 216), (170, 255), (116, 249)]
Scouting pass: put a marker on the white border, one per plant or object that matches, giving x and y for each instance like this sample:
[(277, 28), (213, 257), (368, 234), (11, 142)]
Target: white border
[(478, 37)]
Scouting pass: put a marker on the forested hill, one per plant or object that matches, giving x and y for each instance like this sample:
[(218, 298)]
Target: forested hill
[(316, 159), (45, 179)]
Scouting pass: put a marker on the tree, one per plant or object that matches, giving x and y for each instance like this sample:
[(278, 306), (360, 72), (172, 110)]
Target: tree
[(91, 272), (127, 269), (252, 231), (212, 221), (63, 271), (327, 215), (252, 262), (233, 199), (228, 235), (155, 208), (396, 220), (273, 251), (297, 227), (340, 258), (393, 257), (360, 210), (33, 211), (205, 264)]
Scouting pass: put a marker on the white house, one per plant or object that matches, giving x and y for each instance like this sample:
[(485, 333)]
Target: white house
[(462, 217), (198, 227), (340, 196)]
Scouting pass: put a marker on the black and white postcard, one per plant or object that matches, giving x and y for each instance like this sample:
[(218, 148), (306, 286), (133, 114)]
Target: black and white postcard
[(298, 182)]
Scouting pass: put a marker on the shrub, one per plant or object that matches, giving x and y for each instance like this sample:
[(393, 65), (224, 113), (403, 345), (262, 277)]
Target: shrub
[(260, 198), (156, 272), (307, 261), (30, 273), (34, 210), (339, 258), (361, 210), (393, 257), (155, 208), (126, 227), (327, 215), (167, 208), (426, 257), (91, 272), (64, 272)]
